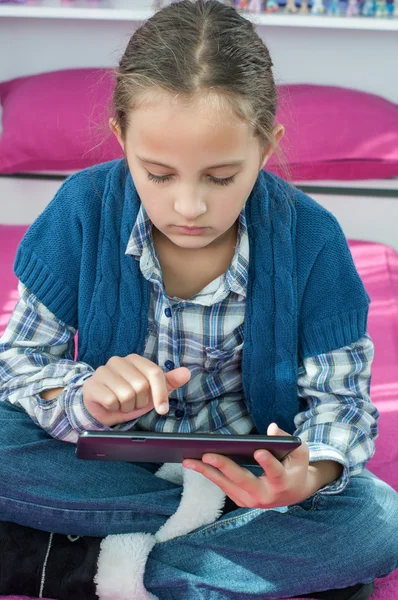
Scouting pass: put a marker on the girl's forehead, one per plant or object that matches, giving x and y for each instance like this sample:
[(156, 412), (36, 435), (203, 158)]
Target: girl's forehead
[(212, 107), (183, 134), (202, 125)]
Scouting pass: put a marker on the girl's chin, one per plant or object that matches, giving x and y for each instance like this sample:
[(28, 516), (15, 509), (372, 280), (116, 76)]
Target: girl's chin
[(181, 240), (190, 241)]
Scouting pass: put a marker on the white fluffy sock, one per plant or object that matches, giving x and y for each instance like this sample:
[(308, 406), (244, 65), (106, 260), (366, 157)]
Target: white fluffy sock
[(121, 566), (122, 557)]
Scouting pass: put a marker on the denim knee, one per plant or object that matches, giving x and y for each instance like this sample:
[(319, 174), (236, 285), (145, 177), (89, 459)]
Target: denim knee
[(387, 502), (368, 507)]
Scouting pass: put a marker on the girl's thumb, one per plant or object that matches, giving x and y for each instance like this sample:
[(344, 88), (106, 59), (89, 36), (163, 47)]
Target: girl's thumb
[(177, 378)]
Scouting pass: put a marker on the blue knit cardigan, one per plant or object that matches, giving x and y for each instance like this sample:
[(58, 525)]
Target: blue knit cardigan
[(304, 294)]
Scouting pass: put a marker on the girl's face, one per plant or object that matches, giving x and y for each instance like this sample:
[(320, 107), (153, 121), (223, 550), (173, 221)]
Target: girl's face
[(193, 167)]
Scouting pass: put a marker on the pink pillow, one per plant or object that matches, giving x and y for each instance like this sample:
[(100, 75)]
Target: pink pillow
[(58, 121), (337, 133)]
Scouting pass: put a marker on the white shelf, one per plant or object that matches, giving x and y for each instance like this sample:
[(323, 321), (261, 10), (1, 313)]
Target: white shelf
[(325, 22), (121, 10), (102, 10)]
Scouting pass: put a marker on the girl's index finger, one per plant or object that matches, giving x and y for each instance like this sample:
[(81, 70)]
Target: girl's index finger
[(157, 382), (160, 394)]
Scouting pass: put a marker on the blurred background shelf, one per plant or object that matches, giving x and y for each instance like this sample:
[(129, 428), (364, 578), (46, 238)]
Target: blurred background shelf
[(128, 10)]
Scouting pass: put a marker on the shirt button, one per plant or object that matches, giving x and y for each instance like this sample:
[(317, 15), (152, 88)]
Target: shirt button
[(169, 365), (179, 414), (167, 312)]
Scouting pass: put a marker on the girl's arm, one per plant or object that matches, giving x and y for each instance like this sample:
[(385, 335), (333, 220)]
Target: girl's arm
[(339, 422), (37, 360)]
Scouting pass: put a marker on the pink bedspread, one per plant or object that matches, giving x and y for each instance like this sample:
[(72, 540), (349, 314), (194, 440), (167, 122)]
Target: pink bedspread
[(378, 267)]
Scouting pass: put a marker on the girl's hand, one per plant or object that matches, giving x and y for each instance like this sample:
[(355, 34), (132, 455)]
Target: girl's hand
[(282, 484), (126, 388)]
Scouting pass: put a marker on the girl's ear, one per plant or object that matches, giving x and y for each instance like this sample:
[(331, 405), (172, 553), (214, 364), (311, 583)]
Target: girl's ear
[(278, 132), (114, 127)]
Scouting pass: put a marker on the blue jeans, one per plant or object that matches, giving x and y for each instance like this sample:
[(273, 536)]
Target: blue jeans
[(322, 543)]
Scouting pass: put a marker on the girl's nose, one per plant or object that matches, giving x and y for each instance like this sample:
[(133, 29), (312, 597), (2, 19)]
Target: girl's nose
[(190, 208)]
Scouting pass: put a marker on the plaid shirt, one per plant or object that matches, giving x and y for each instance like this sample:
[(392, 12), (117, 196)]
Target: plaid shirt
[(205, 333)]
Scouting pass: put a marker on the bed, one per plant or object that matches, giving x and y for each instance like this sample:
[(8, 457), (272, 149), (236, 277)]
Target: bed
[(377, 264)]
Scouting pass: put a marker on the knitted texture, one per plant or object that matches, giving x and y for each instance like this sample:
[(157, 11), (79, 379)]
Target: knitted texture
[(304, 295)]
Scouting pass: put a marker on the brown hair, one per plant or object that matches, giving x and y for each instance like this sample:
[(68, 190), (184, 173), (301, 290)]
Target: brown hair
[(199, 47)]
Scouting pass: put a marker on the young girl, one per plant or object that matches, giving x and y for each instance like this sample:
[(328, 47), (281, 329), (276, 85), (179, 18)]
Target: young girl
[(209, 295)]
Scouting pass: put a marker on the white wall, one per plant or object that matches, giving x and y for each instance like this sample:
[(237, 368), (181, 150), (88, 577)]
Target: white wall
[(364, 60)]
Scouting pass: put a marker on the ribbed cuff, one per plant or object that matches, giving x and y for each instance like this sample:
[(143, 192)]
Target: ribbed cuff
[(334, 333), (55, 294)]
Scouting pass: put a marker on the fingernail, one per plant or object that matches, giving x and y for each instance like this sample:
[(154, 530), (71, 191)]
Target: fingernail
[(188, 465), (163, 408), (261, 455)]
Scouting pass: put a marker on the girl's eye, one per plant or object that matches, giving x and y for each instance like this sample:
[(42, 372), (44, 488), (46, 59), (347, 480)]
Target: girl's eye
[(161, 179)]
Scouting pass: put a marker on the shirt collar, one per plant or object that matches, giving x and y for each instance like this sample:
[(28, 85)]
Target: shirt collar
[(236, 276), (141, 233)]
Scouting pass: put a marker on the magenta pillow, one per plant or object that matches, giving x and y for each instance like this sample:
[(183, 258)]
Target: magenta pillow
[(58, 121), (337, 133)]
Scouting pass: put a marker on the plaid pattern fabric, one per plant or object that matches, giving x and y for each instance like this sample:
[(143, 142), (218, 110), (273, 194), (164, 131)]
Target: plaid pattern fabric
[(205, 333)]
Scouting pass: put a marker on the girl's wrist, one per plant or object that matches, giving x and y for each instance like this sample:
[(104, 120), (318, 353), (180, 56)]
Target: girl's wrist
[(51, 394), (322, 473)]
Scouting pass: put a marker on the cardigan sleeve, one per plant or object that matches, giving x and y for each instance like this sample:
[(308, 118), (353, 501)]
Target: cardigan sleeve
[(48, 258), (55, 257), (334, 307)]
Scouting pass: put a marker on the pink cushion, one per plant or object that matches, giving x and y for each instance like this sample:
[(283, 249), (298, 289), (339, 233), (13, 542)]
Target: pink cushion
[(337, 133), (378, 267), (58, 121)]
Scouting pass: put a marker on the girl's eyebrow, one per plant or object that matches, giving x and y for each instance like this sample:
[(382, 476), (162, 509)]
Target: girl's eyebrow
[(228, 164)]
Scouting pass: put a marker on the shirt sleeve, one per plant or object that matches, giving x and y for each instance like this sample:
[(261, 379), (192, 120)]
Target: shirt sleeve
[(338, 420), (37, 354)]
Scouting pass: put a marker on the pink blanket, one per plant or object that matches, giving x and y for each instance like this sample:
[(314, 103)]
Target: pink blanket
[(378, 267)]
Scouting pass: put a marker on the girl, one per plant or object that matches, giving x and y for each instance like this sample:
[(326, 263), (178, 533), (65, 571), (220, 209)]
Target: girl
[(209, 296)]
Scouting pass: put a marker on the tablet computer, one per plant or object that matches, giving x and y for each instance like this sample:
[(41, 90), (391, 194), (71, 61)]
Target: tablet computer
[(146, 446)]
